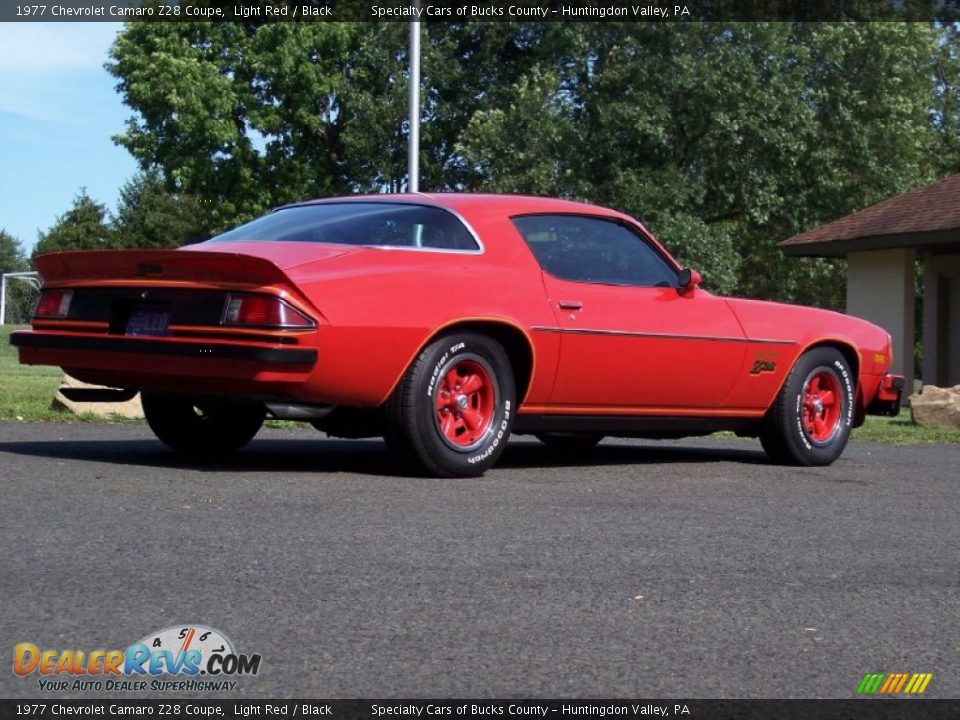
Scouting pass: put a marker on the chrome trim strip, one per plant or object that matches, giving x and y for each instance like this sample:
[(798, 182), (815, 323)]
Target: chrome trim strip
[(772, 341), (446, 251), (627, 333)]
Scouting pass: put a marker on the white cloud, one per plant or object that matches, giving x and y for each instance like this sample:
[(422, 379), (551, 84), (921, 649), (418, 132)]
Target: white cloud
[(48, 70), (54, 47), (58, 109)]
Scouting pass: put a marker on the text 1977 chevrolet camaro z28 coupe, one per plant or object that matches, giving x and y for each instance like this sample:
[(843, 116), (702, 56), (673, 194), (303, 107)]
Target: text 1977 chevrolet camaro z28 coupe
[(446, 322)]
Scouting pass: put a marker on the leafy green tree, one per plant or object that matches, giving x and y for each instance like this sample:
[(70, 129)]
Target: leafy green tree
[(12, 256), (725, 137), (466, 68), (526, 146), (20, 296), (241, 116), (83, 227), (150, 216), (246, 116), (946, 109), (867, 90)]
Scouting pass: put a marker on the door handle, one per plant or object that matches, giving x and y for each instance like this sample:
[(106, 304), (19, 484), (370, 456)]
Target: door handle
[(570, 305)]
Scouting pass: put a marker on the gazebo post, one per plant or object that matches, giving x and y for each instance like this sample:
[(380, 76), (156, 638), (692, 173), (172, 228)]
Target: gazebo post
[(941, 314), (880, 288)]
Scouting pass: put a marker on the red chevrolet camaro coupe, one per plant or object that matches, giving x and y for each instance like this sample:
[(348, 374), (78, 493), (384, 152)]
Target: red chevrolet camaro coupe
[(444, 323)]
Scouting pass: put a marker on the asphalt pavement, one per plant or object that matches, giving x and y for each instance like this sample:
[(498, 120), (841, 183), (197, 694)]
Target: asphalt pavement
[(687, 569)]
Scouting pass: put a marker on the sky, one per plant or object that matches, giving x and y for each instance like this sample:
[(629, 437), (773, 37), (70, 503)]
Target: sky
[(58, 111)]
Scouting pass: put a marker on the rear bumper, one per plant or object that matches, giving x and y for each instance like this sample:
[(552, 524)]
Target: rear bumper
[(270, 355), (188, 365), (888, 397)]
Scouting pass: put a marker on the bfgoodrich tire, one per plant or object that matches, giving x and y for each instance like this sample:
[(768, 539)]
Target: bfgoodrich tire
[(201, 426), (451, 414), (810, 421)]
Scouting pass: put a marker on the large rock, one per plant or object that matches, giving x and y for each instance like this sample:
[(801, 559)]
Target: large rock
[(128, 409), (937, 407)]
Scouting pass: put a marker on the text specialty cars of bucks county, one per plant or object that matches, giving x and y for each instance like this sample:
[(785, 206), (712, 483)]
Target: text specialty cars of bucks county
[(444, 323)]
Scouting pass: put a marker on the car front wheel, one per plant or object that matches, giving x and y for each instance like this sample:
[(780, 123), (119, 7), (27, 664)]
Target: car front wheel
[(811, 418), (451, 414), (201, 426)]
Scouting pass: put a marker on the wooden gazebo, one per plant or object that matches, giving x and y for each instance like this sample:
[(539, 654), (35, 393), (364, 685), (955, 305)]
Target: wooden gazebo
[(882, 244)]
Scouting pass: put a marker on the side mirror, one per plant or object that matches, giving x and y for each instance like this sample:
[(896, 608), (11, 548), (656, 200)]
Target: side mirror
[(688, 279)]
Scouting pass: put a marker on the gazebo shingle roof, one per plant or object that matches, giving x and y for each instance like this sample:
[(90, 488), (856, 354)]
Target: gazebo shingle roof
[(901, 221)]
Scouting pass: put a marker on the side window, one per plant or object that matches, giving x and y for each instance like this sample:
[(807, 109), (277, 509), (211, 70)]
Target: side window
[(593, 250)]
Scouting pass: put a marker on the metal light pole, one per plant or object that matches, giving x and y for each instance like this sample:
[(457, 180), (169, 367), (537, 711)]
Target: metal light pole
[(413, 142)]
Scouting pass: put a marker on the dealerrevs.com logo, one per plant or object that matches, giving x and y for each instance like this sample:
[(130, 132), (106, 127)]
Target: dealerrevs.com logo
[(894, 683), (195, 656)]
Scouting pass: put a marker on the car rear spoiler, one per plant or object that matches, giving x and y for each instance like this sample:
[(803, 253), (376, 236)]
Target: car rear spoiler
[(174, 265)]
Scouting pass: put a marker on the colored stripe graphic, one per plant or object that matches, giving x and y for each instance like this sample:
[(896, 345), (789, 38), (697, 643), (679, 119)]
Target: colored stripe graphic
[(922, 686), (870, 683), (894, 683), (898, 682)]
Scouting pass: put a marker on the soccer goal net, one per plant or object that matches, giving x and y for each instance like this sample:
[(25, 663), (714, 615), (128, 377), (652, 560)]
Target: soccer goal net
[(20, 293)]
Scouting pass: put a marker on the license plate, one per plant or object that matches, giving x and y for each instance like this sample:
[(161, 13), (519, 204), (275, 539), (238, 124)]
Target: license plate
[(148, 321)]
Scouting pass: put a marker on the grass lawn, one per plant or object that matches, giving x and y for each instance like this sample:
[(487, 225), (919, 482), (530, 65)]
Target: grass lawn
[(901, 430), (26, 392)]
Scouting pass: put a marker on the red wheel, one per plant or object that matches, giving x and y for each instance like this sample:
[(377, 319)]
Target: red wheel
[(821, 406), (809, 422), (465, 403), (451, 413)]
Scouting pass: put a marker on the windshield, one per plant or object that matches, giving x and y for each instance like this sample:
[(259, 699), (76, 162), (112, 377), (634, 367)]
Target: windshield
[(359, 223)]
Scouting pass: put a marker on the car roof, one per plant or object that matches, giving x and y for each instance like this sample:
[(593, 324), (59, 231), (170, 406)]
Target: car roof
[(471, 203)]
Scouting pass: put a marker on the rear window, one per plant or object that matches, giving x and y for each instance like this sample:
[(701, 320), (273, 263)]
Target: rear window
[(382, 224)]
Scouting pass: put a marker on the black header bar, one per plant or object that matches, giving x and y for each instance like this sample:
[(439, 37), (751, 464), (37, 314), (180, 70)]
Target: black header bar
[(872, 709), (474, 10)]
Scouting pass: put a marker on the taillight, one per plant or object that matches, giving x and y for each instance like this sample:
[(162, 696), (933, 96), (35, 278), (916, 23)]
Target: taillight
[(263, 311), (54, 304)]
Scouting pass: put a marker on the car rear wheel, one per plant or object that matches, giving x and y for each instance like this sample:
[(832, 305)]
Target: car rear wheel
[(810, 421), (451, 414), (569, 442), (207, 426)]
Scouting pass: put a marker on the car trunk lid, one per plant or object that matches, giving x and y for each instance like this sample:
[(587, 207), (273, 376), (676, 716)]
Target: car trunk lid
[(163, 265)]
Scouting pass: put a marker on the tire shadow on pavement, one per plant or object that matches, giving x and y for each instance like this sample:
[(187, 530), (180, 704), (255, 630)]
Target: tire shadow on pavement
[(533, 454), (367, 457)]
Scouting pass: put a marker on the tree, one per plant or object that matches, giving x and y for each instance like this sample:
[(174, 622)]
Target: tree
[(544, 163), (868, 92), (725, 137), (466, 68), (946, 109), (150, 216), (246, 116), (12, 257), (242, 116), (20, 296), (82, 227)]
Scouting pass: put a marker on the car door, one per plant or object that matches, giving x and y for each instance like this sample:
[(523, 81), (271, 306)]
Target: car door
[(631, 341)]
